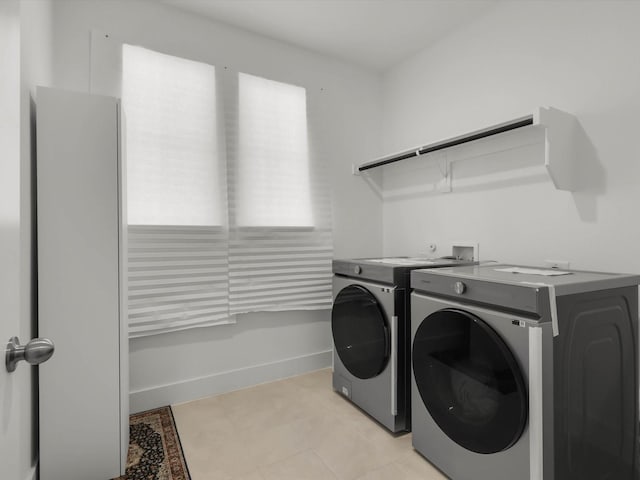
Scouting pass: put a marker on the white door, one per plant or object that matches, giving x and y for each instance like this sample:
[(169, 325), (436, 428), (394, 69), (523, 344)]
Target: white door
[(15, 431), (82, 406)]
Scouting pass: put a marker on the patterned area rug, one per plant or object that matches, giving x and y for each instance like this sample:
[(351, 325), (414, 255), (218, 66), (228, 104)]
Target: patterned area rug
[(155, 452)]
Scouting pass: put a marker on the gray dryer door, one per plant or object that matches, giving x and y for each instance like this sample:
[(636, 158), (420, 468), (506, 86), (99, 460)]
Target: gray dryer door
[(360, 332), (469, 381)]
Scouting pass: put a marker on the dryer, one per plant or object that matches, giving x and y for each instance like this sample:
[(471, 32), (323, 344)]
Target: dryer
[(370, 330), (525, 373)]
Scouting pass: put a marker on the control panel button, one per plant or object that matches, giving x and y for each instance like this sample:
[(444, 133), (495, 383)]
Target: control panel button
[(357, 269), (459, 288)]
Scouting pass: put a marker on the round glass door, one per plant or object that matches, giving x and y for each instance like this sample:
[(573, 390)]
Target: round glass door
[(469, 381), (360, 332)]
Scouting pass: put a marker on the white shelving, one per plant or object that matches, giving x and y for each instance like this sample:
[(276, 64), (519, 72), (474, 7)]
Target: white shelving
[(560, 157), (560, 152)]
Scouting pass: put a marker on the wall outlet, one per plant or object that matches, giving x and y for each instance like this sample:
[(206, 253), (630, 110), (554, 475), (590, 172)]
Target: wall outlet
[(559, 264)]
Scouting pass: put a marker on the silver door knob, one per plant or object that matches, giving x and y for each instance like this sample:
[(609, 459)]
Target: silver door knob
[(34, 352)]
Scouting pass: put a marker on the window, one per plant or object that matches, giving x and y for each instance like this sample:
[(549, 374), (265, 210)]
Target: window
[(173, 159), (177, 252), (229, 209), (280, 244), (273, 154)]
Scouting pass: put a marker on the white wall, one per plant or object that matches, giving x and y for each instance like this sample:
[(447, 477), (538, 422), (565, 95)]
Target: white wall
[(182, 366), (579, 57)]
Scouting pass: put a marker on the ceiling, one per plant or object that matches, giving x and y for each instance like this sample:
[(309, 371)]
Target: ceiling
[(376, 34)]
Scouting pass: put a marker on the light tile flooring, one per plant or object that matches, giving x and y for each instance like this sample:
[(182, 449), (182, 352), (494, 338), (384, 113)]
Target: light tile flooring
[(292, 429)]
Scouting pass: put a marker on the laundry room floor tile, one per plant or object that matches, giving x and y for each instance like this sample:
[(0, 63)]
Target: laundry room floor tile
[(387, 472), (349, 454), (304, 466), (414, 466), (256, 475), (296, 428)]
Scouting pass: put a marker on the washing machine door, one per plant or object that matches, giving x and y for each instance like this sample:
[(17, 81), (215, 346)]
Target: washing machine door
[(360, 332), (469, 381)]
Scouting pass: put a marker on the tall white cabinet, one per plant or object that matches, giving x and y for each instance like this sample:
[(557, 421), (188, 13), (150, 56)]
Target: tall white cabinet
[(81, 293)]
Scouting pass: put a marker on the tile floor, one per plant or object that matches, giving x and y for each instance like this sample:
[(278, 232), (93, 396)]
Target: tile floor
[(292, 429)]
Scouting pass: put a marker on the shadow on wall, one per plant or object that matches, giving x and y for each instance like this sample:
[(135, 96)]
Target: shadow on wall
[(590, 177)]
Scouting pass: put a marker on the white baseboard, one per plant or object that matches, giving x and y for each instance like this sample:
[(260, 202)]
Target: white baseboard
[(222, 382)]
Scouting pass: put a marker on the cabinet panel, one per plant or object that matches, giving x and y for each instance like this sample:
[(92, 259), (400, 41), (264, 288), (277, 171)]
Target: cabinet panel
[(81, 412)]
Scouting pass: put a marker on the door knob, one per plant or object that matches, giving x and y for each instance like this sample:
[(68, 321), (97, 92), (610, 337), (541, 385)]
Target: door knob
[(34, 352)]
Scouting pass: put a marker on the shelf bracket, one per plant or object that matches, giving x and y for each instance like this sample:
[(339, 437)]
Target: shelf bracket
[(444, 185)]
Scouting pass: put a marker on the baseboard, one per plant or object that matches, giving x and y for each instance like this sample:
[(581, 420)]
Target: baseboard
[(222, 382)]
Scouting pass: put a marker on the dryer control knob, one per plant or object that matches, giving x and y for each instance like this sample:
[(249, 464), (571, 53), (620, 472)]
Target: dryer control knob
[(459, 288), (357, 269)]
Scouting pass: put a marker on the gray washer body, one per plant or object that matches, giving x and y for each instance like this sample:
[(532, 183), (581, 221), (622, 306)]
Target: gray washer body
[(384, 397), (582, 384)]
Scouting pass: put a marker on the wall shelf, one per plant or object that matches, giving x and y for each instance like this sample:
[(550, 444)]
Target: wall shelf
[(560, 145)]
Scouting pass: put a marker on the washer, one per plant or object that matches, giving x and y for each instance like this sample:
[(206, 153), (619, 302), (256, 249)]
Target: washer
[(495, 394), (371, 334)]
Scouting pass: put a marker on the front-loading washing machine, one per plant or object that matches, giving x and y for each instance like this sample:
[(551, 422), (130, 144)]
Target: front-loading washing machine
[(370, 330), (524, 373)]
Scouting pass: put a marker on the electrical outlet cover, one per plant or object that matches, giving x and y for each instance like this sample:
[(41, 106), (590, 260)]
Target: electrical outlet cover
[(466, 251)]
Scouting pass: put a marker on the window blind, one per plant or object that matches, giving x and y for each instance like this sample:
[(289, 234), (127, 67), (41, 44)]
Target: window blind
[(276, 270), (280, 245), (177, 278), (176, 194)]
